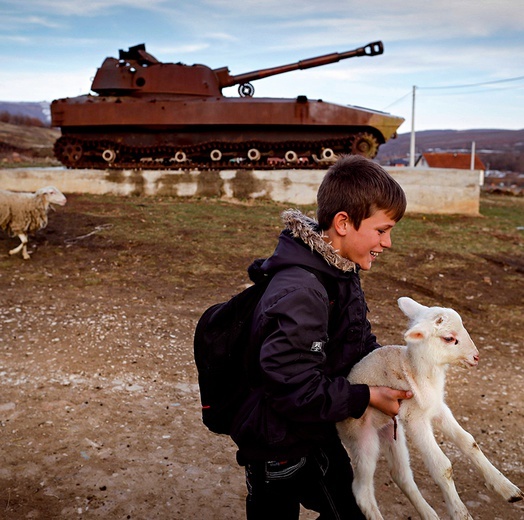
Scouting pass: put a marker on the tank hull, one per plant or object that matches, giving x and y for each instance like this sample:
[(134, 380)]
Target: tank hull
[(133, 130)]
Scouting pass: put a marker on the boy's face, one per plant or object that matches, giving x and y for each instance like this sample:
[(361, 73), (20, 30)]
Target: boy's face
[(363, 246)]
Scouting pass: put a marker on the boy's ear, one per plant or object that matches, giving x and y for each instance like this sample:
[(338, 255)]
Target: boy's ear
[(341, 223)]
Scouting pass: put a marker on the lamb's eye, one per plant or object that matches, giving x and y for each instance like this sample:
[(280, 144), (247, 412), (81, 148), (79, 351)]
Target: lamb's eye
[(450, 339)]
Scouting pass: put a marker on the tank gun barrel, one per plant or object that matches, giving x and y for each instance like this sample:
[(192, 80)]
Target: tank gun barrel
[(226, 80)]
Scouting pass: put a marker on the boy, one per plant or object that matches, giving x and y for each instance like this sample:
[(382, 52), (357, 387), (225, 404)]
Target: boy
[(286, 430)]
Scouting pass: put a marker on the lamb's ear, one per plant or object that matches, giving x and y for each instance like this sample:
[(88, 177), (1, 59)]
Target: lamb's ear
[(415, 334), (410, 307)]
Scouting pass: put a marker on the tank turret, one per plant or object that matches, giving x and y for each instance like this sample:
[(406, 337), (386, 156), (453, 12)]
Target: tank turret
[(149, 114), (136, 71)]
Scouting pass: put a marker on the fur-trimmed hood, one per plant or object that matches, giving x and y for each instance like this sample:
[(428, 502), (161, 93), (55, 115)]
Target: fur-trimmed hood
[(307, 230)]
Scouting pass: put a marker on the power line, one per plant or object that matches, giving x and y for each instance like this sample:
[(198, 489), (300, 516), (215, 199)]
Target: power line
[(483, 83), (398, 100), (518, 78), (470, 92)]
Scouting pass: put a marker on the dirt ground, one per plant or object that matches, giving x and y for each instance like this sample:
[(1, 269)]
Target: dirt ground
[(99, 406)]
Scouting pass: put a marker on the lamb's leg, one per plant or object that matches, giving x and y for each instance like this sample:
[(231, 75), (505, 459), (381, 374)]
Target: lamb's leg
[(397, 455), (494, 479), (361, 441), (439, 466), (22, 247)]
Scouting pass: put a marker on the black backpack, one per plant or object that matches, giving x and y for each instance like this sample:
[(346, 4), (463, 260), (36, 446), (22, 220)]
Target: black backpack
[(222, 350)]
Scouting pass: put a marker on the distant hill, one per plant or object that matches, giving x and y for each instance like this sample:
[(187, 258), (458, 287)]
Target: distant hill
[(27, 144), (486, 142), (27, 137), (35, 109)]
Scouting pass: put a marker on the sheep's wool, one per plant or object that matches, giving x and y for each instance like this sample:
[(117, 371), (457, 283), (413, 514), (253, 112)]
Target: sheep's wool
[(22, 212)]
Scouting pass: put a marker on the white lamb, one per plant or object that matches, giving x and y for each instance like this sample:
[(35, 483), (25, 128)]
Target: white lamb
[(435, 339), (24, 213)]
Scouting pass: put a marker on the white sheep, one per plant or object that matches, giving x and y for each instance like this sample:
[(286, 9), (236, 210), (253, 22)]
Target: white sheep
[(24, 213), (436, 338)]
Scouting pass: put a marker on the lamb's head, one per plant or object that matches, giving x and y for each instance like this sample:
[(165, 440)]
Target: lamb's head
[(52, 195), (440, 332)]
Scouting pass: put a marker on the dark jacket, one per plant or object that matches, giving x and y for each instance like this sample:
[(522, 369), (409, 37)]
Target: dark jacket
[(307, 348)]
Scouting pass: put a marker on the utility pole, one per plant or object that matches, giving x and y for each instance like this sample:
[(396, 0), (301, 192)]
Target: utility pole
[(412, 143)]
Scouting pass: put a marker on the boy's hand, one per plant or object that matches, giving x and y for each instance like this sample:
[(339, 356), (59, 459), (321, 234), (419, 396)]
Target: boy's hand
[(387, 400)]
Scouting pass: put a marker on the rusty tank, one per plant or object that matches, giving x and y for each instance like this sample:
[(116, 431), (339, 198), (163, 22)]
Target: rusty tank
[(146, 114)]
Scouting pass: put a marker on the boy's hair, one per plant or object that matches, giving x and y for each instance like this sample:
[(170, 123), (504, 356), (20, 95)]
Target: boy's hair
[(360, 187)]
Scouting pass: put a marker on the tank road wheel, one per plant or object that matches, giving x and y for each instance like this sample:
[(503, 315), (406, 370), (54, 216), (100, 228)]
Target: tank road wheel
[(366, 145), (327, 155), (291, 156), (109, 155), (254, 154), (180, 157), (215, 155), (69, 151)]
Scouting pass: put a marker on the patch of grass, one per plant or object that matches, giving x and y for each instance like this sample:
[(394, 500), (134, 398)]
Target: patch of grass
[(496, 230), (201, 229), (190, 243), (204, 230)]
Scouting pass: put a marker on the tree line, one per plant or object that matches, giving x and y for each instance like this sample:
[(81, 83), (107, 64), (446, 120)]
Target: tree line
[(20, 119), (504, 161)]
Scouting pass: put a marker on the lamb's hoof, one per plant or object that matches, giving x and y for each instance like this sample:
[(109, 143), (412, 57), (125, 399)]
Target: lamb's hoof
[(516, 498)]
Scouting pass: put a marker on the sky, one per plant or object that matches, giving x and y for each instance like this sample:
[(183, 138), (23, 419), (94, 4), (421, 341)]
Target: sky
[(465, 58)]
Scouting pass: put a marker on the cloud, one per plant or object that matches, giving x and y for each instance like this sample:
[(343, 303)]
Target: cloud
[(14, 23), (85, 8), (22, 86), (43, 22), (13, 39)]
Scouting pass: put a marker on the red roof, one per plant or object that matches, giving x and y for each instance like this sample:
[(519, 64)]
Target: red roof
[(460, 161)]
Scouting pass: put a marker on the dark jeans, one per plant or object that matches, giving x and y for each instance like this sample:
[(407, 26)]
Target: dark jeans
[(320, 482)]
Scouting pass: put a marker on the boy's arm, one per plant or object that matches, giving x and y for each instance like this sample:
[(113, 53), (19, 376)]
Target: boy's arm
[(292, 360), (386, 399)]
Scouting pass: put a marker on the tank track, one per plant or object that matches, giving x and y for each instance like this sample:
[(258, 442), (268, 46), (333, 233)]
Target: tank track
[(81, 152)]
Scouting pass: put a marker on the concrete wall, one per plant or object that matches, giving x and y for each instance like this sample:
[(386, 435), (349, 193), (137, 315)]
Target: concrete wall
[(442, 191)]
